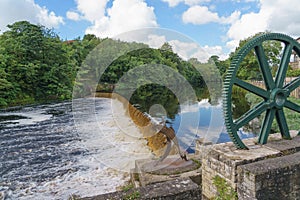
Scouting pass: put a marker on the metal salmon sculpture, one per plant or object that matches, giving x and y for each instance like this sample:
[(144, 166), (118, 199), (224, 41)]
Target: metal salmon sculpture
[(169, 132), (171, 137)]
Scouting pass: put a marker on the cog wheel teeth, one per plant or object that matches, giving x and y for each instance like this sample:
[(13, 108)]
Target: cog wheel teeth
[(231, 75)]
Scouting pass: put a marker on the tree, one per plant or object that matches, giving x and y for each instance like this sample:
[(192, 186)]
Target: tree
[(166, 47), (34, 65), (249, 68), (222, 65)]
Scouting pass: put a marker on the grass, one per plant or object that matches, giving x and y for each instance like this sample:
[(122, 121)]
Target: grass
[(225, 191), (126, 188), (198, 163), (134, 195)]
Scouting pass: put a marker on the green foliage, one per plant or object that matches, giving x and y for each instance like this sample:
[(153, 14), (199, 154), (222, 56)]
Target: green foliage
[(133, 195), (148, 56), (292, 117), (35, 65), (222, 65), (197, 162), (134, 63), (128, 187), (249, 68), (211, 75), (240, 103), (166, 47), (151, 94), (293, 72), (225, 191)]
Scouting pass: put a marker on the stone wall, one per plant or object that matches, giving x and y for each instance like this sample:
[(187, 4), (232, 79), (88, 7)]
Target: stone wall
[(262, 172), (276, 178)]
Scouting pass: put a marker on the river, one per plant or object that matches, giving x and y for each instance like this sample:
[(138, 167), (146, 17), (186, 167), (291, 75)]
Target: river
[(51, 151)]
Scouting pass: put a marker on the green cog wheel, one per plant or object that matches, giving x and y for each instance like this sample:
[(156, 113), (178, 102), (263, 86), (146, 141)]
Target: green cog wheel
[(275, 96)]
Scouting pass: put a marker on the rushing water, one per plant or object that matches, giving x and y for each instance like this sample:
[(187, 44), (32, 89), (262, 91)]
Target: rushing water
[(46, 154), (43, 156)]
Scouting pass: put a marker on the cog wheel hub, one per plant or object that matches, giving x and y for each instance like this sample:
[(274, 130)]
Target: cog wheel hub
[(278, 98)]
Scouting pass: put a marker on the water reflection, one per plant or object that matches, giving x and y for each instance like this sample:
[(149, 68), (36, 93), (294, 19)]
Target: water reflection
[(193, 119)]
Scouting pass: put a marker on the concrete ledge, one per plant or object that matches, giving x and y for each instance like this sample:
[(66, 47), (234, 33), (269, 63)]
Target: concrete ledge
[(171, 168), (275, 178), (181, 188), (286, 147)]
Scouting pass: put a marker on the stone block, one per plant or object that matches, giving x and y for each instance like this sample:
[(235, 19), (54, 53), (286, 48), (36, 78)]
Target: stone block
[(274, 178), (176, 189), (150, 171), (224, 160)]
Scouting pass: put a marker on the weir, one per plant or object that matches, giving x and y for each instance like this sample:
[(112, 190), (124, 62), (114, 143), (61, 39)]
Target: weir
[(156, 140)]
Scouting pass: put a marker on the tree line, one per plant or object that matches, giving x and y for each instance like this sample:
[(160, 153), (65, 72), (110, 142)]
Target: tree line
[(37, 65)]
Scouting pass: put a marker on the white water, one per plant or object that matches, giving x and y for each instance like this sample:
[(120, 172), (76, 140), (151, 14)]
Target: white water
[(111, 154)]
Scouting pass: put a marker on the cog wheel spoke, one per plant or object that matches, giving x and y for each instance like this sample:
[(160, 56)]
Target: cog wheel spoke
[(297, 49), (292, 106), (266, 126), (281, 120), (264, 66), (281, 72), (250, 115), (252, 88), (292, 85), (274, 96)]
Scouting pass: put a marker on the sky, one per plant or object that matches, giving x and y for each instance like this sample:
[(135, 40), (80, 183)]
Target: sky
[(216, 25)]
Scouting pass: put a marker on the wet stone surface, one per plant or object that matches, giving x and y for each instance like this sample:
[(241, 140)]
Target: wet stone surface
[(169, 166)]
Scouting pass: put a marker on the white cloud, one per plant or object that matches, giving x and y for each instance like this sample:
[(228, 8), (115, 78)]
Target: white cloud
[(187, 50), (92, 10), (232, 44), (12, 11), (156, 41), (248, 24), (215, 50), (284, 16), (124, 15), (73, 16), (199, 15), (195, 2), (274, 15), (202, 15), (231, 19), (173, 3)]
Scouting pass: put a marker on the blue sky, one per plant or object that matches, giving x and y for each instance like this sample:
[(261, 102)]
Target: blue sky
[(216, 25)]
